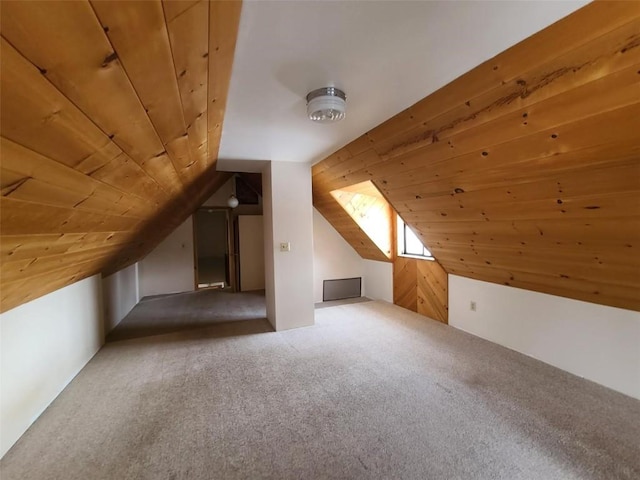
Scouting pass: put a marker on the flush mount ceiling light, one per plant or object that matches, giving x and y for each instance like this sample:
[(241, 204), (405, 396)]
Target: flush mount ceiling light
[(326, 105)]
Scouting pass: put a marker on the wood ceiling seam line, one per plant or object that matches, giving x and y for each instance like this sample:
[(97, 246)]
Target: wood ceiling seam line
[(498, 180), (558, 52), (632, 111), (210, 154), (487, 148), (496, 119), (417, 155), (99, 189), (70, 102), (21, 270), (166, 21), (21, 247), (133, 87), (190, 4), (550, 283), (110, 61), (194, 111), (222, 44)]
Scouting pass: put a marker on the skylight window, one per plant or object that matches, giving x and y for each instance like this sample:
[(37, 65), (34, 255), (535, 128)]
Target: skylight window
[(409, 245), (369, 209)]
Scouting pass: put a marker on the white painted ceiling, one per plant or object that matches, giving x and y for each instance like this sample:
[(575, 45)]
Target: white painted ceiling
[(386, 55)]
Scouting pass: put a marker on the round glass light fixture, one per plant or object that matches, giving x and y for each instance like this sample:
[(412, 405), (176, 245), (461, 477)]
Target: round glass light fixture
[(232, 201), (326, 105)]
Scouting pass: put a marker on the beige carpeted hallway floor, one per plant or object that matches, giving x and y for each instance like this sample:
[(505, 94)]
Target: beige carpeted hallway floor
[(371, 391), (184, 311)]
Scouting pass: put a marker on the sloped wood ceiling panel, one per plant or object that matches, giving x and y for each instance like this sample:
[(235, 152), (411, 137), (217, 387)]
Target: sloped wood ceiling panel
[(526, 170), (345, 225), (108, 141)]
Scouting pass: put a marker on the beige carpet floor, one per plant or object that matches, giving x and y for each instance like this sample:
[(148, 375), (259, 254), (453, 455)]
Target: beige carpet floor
[(183, 311), (371, 391)]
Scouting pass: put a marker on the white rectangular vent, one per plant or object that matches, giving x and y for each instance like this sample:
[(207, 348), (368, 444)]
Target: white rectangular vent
[(341, 288)]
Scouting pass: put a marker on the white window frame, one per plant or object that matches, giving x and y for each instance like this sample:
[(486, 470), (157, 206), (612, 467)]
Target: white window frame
[(402, 228)]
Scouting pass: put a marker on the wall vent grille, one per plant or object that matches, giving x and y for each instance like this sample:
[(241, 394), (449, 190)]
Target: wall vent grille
[(342, 288)]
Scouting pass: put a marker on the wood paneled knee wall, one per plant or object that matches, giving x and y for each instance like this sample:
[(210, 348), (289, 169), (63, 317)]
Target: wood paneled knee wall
[(421, 286)]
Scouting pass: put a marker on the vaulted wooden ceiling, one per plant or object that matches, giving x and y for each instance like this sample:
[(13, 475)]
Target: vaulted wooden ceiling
[(111, 121), (526, 170)]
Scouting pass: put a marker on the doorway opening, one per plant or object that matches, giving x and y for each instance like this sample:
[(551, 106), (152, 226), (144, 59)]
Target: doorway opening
[(212, 247)]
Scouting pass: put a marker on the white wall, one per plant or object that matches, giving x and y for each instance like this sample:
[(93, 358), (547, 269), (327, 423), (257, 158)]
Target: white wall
[(219, 198), (378, 280), (120, 294), (169, 268), (289, 275), (44, 344), (333, 257), (269, 246), (596, 342), (251, 240)]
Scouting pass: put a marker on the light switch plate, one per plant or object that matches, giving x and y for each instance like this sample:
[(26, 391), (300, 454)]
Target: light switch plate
[(285, 247)]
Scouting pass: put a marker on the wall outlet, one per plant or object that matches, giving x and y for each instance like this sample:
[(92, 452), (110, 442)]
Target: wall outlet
[(472, 306), (285, 247)]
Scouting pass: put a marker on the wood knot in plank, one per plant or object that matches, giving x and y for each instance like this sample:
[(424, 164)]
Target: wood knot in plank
[(633, 42), (9, 189), (112, 57)]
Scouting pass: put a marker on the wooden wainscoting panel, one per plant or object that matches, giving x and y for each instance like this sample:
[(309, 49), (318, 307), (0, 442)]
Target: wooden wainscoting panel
[(405, 285), (421, 286), (433, 290)]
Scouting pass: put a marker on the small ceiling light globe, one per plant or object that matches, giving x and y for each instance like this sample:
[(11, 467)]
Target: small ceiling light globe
[(326, 105), (232, 201)]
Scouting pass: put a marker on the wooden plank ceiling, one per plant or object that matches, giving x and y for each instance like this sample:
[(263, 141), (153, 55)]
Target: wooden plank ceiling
[(526, 170), (111, 121)]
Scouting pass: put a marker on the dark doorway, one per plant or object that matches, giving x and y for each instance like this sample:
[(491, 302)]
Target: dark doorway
[(211, 231)]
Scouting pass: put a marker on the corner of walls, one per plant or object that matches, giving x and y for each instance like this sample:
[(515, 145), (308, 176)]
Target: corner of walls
[(288, 218), (333, 257), (43, 345), (593, 341), (378, 280), (120, 293), (169, 268), (269, 274)]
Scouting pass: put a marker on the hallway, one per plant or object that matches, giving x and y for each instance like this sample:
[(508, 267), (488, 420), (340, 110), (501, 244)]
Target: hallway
[(190, 310)]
